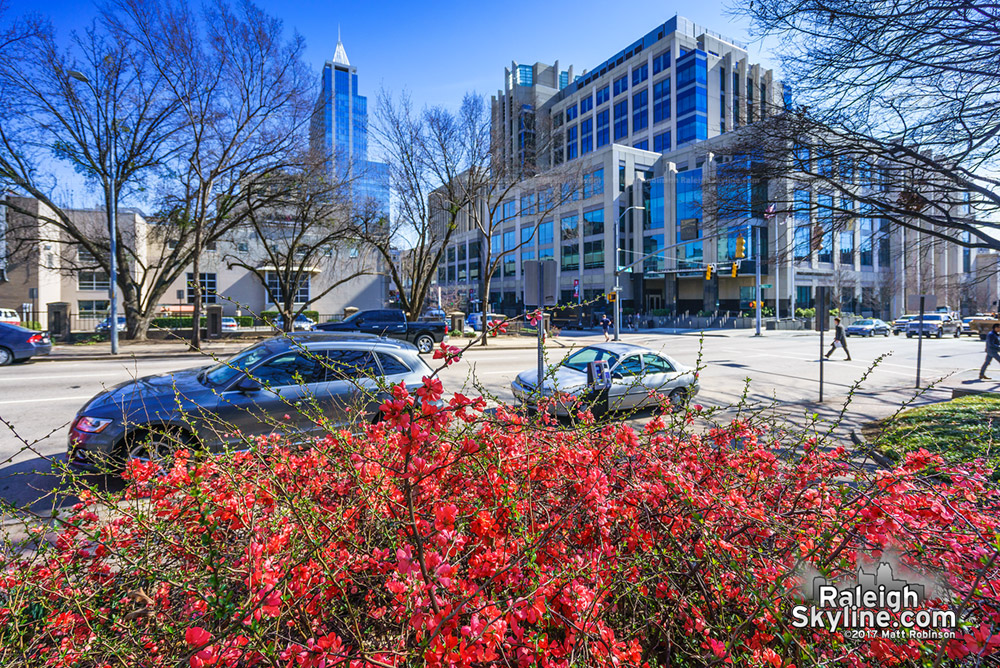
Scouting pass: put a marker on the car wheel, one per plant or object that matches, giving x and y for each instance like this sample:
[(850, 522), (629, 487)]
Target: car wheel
[(424, 343), (909, 335), (157, 445), (886, 333), (958, 333), (871, 334), (6, 357), (940, 333), (677, 397)]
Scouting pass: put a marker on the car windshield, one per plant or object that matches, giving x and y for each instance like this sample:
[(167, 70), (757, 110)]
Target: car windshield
[(579, 360), (930, 317), (865, 322), (226, 372)]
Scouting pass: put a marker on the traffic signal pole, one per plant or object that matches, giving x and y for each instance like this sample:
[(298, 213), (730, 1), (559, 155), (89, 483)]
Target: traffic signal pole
[(758, 296)]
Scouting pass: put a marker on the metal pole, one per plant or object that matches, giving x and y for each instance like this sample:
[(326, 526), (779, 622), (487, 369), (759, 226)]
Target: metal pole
[(821, 316), (777, 276), (920, 339), (618, 295), (541, 326), (759, 296), (618, 305), (113, 231)]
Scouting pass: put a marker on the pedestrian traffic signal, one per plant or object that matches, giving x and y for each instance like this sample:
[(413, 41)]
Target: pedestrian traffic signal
[(736, 268), (612, 297), (708, 273), (753, 304), (741, 245)]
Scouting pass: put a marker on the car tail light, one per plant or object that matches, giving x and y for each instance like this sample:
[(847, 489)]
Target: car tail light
[(446, 330), (35, 338)]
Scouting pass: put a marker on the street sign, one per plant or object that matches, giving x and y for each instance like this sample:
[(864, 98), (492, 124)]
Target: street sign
[(767, 286), (550, 289), (913, 302)]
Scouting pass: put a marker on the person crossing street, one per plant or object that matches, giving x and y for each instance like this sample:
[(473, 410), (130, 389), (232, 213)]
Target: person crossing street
[(839, 340), (992, 350)]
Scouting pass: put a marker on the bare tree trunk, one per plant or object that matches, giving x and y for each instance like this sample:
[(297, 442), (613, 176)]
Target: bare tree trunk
[(195, 343)]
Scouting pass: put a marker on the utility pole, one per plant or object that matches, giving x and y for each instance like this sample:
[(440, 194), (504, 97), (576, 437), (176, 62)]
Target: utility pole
[(759, 297), (618, 268)]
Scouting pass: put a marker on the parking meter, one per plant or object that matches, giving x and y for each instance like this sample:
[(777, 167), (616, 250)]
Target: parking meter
[(599, 382)]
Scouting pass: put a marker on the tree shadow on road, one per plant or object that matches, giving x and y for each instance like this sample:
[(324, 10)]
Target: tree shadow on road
[(44, 485)]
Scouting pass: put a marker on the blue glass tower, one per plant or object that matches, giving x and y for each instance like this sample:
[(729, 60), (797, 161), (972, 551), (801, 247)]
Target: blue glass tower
[(339, 131)]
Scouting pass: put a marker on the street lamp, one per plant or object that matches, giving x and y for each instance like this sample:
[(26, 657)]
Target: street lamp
[(112, 223), (618, 301)]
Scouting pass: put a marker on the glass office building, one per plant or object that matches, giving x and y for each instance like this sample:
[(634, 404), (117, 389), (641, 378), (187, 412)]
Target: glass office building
[(339, 131)]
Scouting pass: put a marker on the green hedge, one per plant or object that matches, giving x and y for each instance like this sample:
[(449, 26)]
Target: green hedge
[(271, 315)]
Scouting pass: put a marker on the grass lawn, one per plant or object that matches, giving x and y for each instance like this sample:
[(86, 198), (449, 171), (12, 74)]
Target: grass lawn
[(960, 429)]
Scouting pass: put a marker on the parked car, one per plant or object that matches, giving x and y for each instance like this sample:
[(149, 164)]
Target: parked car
[(301, 323), (18, 344), (983, 323), (636, 373), (899, 325), (868, 327), (934, 324), (9, 316), (393, 323), (105, 325), (279, 381), (475, 320), (434, 314), (229, 324), (967, 326)]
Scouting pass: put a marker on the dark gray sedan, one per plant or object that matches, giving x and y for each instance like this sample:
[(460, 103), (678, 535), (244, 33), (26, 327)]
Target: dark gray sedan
[(288, 385)]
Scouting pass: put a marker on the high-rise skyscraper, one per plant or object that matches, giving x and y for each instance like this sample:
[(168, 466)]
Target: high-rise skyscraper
[(339, 131)]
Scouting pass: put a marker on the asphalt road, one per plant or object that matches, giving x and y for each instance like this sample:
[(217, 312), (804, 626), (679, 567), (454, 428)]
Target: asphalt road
[(38, 400)]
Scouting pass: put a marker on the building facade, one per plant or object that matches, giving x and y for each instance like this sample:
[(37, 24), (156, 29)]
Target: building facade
[(339, 131), (645, 143)]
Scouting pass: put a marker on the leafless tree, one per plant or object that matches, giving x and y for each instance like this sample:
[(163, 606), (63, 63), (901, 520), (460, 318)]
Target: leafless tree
[(437, 159), (301, 226), (895, 108), (114, 130), (243, 95)]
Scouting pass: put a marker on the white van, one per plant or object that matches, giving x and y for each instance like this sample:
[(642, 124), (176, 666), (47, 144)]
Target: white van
[(9, 316)]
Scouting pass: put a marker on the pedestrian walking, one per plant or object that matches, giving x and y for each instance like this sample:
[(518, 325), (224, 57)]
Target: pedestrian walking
[(606, 326), (839, 340), (628, 322), (992, 350)]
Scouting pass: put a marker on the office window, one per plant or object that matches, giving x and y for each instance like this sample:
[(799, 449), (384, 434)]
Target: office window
[(824, 219), (593, 222), (692, 99), (621, 119), (586, 104), (570, 113), (586, 136), (509, 240), (92, 280), (640, 110), (593, 254), (641, 145), (570, 256), (474, 260), (509, 244), (803, 242), (563, 80), (692, 128), (650, 244), (867, 242), (525, 75), (603, 128), (545, 233), (661, 62), (527, 255), (509, 210), (603, 95), (883, 246), (527, 235), (570, 192), (597, 181), (571, 143), (527, 205), (207, 281), (661, 142), (93, 308), (570, 227), (621, 85), (661, 100), (639, 74), (274, 294), (847, 247), (545, 252)]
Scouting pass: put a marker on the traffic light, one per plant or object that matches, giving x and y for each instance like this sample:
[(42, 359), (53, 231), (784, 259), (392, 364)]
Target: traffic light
[(741, 245), (612, 297), (736, 268), (708, 273), (753, 304)]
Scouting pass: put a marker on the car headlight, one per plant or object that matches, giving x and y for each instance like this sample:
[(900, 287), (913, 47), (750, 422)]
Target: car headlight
[(92, 425)]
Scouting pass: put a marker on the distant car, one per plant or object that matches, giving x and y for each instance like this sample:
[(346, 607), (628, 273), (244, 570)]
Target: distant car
[(433, 314), (475, 320), (229, 324), (424, 334), (899, 325), (18, 344), (636, 374), (301, 323), (9, 316), (283, 380), (105, 325), (868, 327), (933, 324), (967, 327)]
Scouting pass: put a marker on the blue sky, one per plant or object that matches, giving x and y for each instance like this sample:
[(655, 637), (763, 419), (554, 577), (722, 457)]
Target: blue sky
[(438, 51)]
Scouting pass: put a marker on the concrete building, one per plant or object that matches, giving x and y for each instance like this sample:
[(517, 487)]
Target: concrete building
[(42, 267), (642, 142)]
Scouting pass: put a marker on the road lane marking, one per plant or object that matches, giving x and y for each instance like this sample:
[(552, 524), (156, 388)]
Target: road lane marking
[(46, 400), (60, 377)]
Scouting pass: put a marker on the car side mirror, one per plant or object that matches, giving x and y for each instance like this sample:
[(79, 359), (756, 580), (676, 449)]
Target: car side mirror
[(617, 376), (248, 385)]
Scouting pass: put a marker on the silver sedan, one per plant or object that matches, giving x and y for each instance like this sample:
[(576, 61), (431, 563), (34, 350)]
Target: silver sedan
[(639, 377)]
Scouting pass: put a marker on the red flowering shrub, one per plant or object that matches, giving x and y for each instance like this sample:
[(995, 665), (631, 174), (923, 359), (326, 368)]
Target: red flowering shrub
[(444, 537)]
